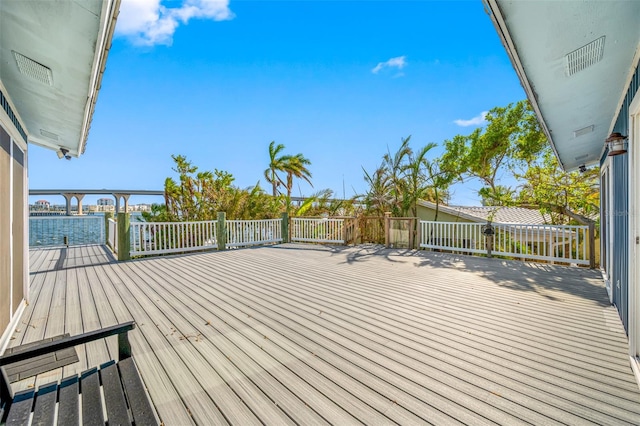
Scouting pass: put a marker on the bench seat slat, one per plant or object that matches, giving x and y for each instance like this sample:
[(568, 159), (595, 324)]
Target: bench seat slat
[(124, 395), (45, 405), (68, 413), (141, 409), (21, 408), (91, 400), (116, 405)]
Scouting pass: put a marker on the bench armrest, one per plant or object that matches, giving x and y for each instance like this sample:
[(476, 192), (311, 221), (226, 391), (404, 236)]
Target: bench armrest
[(124, 348)]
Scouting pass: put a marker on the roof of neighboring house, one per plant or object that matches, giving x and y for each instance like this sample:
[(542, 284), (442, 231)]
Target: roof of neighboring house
[(42, 202), (498, 214)]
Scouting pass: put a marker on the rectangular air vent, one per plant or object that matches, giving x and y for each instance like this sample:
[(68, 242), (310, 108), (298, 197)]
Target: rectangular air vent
[(33, 69), (585, 56), (581, 157), (48, 134), (583, 131)]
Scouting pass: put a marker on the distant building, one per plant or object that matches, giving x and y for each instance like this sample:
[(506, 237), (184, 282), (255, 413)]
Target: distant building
[(105, 202), (42, 205)]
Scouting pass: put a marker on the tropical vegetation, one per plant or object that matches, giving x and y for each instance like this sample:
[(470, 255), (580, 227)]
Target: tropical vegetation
[(510, 157)]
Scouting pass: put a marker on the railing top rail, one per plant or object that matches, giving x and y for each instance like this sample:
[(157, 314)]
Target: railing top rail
[(252, 220), (545, 226), (512, 225), (454, 223), (319, 219), (172, 223), (73, 217)]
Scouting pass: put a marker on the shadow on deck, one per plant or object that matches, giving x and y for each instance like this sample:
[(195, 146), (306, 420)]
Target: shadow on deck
[(309, 334)]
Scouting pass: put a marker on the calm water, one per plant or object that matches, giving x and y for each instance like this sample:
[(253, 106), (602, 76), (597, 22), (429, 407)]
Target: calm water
[(51, 230)]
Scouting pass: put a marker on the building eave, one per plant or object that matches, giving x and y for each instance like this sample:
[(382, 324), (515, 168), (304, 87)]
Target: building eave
[(493, 10), (572, 59)]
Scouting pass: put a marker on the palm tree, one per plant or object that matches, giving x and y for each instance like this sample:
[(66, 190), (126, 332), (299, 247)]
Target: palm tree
[(276, 164), (395, 167), (296, 166), (415, 179), (378, 198)]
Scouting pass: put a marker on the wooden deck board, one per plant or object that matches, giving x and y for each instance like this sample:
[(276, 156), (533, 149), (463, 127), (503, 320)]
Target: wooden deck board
[(407, 336), (378, 360), (275, 360), (309, 335)]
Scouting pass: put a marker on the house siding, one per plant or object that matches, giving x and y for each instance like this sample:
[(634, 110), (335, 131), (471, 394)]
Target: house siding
[(619, 212), (426, 213), (13, 230)]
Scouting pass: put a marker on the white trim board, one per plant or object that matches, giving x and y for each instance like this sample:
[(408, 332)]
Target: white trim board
[(6, 336), (634, 228)]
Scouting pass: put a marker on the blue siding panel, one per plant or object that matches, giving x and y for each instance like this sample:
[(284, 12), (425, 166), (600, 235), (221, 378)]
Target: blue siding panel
[(620, 212)]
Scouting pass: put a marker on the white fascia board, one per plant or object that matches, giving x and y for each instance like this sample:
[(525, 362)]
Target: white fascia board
[(110, 10), (623, 95), (453, 212), (493, 10), (45, 143)]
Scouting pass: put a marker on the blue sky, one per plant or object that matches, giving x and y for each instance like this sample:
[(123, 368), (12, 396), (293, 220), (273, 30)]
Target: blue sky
[(341, 82)]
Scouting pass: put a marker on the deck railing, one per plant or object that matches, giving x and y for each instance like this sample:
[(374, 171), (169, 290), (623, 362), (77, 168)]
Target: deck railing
[(243, 233), (112, 239), (552, 243), (320, 230), (152, 238), (149, 238), (52, 230)]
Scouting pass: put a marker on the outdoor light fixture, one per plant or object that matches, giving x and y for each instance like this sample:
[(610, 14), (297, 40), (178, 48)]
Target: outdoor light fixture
[(583, 168), (617, 144), (63, 153)]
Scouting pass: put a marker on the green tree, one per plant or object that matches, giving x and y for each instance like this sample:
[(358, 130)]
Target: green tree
[(416, 186), (378, 197), (201, 195), (404, 178), (511, 140), (277, 164), (395, 166), (296, 166), (441, 176), (565, 196)]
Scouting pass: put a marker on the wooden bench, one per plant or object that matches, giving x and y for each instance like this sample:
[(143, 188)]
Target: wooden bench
[(79, 399)]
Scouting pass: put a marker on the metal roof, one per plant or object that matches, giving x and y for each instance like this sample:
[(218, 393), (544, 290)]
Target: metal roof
[(498, 214)]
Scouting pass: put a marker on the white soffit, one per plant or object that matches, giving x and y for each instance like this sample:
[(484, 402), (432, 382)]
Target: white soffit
[(574, 59), (52, 54)]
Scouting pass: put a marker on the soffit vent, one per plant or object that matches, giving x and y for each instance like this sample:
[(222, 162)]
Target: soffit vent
[(583, 131), (585, 56), (48, 134), (582, 157), (33, 69)]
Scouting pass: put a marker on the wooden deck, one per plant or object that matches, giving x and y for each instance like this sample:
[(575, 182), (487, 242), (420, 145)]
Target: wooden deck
[(299, 334)]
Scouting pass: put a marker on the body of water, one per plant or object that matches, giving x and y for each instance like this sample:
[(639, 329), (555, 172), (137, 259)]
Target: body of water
[(85, 229)]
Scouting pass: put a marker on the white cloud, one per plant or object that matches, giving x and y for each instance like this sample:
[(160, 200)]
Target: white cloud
[(397, 62), (475, 121), (149, 22)]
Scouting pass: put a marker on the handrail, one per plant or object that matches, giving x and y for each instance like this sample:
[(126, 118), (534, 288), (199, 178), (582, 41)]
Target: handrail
[(70, 341)]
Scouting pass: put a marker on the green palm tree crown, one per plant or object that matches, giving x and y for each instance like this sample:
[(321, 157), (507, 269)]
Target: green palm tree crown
[(296, 166), (276, 164)]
